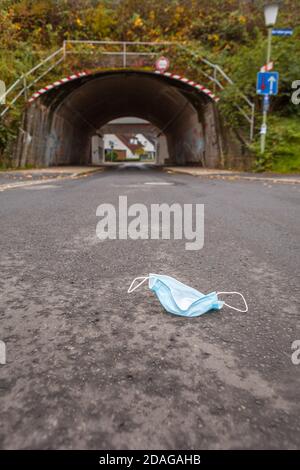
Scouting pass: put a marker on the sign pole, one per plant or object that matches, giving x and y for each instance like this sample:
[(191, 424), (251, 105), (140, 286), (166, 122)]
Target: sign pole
[(265, 112)]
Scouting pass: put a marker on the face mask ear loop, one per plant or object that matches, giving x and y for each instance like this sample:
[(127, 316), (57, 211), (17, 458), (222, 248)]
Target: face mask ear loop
[(234, 308), (131, 288)]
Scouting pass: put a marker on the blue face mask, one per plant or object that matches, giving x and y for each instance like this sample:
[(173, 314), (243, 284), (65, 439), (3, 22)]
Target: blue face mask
[(179, 299)]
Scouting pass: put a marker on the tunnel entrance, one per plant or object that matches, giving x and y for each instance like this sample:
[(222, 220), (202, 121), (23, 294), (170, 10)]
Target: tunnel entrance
[(59, 126)]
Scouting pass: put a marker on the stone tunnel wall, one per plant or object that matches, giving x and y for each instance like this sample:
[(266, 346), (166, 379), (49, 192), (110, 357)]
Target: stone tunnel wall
[(45, 138)]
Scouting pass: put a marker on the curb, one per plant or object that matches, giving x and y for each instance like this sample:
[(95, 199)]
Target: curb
[(231, 176), (22, 184)]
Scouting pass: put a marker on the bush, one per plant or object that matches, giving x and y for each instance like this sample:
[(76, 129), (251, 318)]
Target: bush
[(282, 147)]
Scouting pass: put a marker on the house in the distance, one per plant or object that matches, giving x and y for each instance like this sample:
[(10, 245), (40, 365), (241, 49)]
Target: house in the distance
[(148, 146), (122, 147), (114, 144)]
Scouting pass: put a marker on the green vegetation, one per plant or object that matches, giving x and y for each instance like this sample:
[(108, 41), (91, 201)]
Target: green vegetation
[(229, 32), (283, 147), (111, 156)]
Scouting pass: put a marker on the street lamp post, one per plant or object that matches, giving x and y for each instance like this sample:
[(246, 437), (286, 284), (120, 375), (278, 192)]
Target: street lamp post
[(111, 144), (271, 12)]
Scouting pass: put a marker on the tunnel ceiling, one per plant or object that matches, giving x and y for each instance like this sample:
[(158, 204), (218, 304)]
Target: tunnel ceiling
[(95, 100)]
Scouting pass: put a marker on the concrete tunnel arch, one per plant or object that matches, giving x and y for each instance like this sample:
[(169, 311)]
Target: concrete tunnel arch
[(58, 126)]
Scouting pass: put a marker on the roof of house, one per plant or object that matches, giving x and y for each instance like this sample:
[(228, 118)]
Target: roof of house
[(126, 141)]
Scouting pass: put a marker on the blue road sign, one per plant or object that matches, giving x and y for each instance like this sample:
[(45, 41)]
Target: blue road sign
[(267, 83), (282, 32)]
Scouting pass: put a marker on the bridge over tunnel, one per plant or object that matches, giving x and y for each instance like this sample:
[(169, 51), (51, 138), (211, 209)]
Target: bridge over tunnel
[(58, 126)]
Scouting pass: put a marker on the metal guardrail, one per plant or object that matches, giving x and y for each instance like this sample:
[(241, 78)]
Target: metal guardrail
[(128, 54), (24, 82)]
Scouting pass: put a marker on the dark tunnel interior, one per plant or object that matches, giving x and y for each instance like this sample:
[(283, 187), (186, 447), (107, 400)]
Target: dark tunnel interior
[(58, 126)]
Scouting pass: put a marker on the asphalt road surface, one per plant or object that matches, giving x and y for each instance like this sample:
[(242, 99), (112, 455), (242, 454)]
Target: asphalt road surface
[(90, 366)]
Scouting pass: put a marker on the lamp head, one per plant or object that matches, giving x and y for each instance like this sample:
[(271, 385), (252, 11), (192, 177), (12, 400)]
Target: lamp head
[(271, 12)]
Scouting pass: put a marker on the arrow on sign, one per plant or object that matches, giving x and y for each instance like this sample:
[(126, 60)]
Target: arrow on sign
[(267, 83), (271, 80)]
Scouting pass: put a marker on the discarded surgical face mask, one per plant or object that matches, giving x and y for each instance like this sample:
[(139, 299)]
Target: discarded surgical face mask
[(179, 299)]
